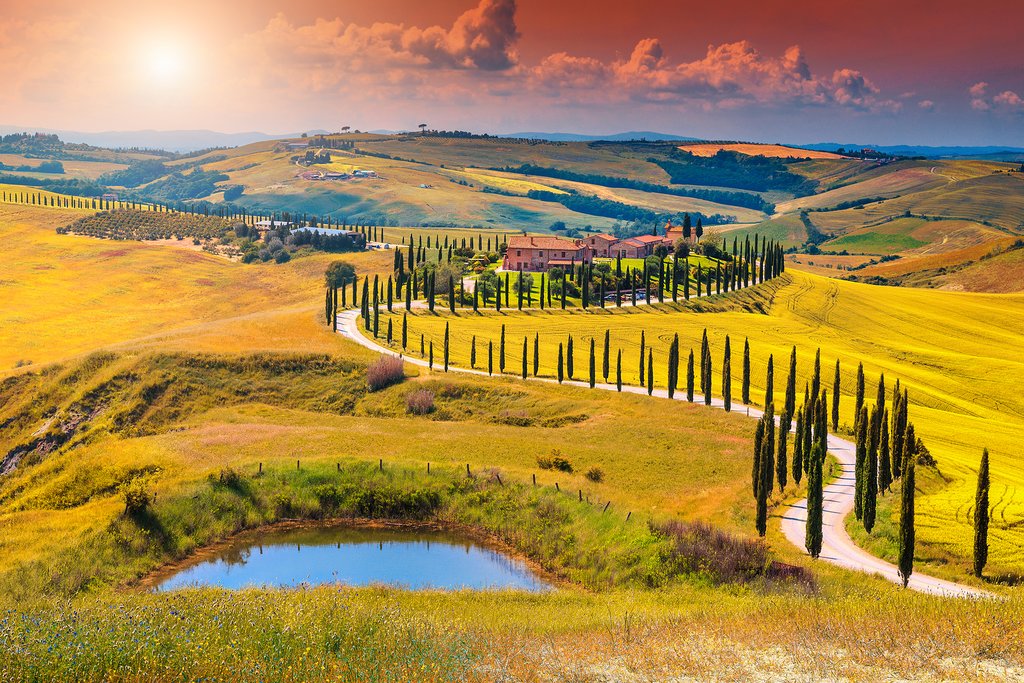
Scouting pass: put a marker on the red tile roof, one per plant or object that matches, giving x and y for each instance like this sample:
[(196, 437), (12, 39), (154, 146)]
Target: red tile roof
[(647, 239), (602, 236), (550, 243)]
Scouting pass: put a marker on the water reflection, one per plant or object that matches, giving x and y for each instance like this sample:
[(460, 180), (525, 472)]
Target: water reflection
[(415, 559)]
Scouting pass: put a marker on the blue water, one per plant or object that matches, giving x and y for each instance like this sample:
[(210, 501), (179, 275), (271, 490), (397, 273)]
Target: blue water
[(356, 557)]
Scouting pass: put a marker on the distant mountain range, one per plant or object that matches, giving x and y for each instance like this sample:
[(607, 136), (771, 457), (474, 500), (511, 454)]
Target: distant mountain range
[(170, 140), (988, 151), (192, 140)]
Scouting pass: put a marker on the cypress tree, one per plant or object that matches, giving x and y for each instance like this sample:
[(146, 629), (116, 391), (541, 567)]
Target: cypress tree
[(490, 357), (906, 544), (768, 460), (808, 440), (472, 352), (391, 287), (861, 460), (506, 289), (673, 360), (650, 372), (746, 371), (816, 377), (815, 500), (536, 354), (408, 292), (618, 370), (328, 306), (836, 386), (389, 332), (884, 460), (727, 376), (430, 363), (405, 330), (451, 294), (689, 378), (798, 448), (446, 339), (981, 514), (860, 389), (755, 470), (476, 298), (871, 475), (605, 355), (769, 382), (643, 353), (593, 365), (501, 351), (561, 364), (569, 361), (563, 292), (497, 295), (526, 352), (706, 389), (781, 459), (790, 406)]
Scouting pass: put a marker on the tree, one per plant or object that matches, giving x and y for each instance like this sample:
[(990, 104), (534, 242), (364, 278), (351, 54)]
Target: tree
[(446, 339), (618, 370), (798, 447), (605, 353), (816, 376), (781, 461), (815, 501), (526, 353), (501, 351), (769, 382), (766, 466), (755, 470), (643, 344), (405, 330), (884, 461), (593, 365), (673, 366), (981, 513), (871, 474), (906, 545), (569, 358), (490, 357), (339, 274), (689, 378), (561, 363), (650, 372), (727, 376), (861, 460), (472, 352), (536, 354), (790, 405), (746, 371), (860, 388), (836, 386)]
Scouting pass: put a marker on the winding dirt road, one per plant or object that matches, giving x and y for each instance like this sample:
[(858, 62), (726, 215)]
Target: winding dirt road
[(837, 546)]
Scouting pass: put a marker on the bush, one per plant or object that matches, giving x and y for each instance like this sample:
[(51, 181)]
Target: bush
[(420, 402), (554, 462), (699, 548), (384, 372), (136, 497), (595, 474)]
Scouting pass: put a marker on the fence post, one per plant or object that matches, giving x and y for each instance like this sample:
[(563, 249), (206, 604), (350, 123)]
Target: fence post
[(297, 465), (628, 515), (534, 478)]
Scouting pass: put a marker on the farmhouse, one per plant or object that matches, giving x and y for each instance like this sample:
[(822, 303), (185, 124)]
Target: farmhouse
[(602, 245), (532, 253), (640, 246)]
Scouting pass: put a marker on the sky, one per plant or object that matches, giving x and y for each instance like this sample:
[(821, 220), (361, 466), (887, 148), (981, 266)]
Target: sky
[(895, 72)]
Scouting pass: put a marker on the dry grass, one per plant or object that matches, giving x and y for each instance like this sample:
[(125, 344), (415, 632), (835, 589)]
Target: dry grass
[(755, 149)]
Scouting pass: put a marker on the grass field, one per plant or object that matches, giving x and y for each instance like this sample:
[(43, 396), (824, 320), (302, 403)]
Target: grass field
[(752, 149), (925, 339), (193, 379)]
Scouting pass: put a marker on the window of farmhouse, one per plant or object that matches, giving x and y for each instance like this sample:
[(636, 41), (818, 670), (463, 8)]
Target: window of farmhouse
[(518, 253)]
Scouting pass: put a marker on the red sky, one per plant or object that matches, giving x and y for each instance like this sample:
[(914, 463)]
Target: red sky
[(936, 72)]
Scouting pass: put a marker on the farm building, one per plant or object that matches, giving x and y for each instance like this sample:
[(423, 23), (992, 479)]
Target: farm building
[(602, 245), (533, 253)]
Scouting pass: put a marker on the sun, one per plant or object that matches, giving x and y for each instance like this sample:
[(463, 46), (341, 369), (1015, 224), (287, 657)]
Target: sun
[(165, 63)]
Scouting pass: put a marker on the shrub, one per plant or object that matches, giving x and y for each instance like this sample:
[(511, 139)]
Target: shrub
[(699, 548), (554, 462), (136, 497), (384, 372), (420, 402), (595, 474)]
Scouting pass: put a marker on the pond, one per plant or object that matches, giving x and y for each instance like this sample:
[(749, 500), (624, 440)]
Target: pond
[(407, 558)]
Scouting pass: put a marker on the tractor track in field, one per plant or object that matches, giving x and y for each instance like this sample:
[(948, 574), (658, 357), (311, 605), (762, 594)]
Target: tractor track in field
[(837, 546)]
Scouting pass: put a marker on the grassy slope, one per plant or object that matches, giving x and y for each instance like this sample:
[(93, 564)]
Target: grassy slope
[(689, 468), (927, 339)]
